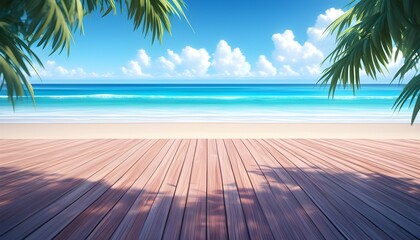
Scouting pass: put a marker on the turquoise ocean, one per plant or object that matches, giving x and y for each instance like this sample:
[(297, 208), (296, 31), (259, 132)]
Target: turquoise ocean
[(248, 103)]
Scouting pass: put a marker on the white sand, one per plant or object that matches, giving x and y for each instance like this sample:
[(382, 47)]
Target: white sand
[(208, 130)]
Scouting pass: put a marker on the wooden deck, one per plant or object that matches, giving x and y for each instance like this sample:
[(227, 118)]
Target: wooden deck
[(214, 189)]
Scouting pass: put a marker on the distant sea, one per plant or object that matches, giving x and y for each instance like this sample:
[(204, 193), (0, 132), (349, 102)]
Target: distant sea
[(248, 103)]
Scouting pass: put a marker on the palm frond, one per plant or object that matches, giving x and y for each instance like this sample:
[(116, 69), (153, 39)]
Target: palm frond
[(52, 23), (104, 6), (154, 15), (410, 93), (15, 63), (358, 49), (366, 35)]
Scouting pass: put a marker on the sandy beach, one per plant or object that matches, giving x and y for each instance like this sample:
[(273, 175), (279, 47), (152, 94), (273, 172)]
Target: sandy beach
[(208, 130)]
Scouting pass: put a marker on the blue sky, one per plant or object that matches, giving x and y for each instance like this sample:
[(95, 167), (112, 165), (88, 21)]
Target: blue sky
[(273, 40)]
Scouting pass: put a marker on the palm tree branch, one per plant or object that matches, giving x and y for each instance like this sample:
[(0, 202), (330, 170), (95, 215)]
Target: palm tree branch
[(15, 61), (356, 50), (154, 15), (52, 22), (410, 93), (366, 35)]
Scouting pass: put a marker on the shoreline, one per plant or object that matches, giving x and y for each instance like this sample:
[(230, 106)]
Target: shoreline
[(208, 130)]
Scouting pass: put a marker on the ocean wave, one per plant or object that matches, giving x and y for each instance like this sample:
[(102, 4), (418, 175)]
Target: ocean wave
[(286, 118), (212, 113), (364, 97), (226, 98), (122, 96), (202, 115)]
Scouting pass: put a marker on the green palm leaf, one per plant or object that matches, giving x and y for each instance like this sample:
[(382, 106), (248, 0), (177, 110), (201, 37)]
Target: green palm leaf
[(51, 23), (366, 35), (410, 93)]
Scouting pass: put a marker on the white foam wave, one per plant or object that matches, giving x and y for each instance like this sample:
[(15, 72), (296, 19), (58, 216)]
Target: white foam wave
[(285, 97), (184, 115)]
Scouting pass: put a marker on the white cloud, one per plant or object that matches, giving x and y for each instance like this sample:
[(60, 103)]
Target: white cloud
[(133, 69), (190, 62), (295, 59), (287, 49), (166, 64), (313, 70), (143, 58), (264, 67), (286, 46), (195, 62), (290, 58), (136, 66), (287, 70), (173, 57), (316, 33), (53, 70), (230, 63), (290, 53)]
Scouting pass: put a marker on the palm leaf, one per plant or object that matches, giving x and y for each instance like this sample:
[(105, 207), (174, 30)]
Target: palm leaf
[(154, 15), (52, 22), (15, 61), (410, 93), (366, 35)]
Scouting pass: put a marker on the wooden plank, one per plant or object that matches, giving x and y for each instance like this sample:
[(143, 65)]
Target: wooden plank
[(35, 165), (280, 227), (80, 196), (23, 208), (34, 149), (176, 213), (195, 216), (235, 218), (21, 182), (58, 154), (23, 174), (113, 218), (294, 214), (156, 220), (381, 160), (84, 223), (400, 146), (392, 178), (370, 161), (8, 145), (406, 189), (131, 226), (258, 226), (409, 143), (26, 156), (356, 194), (365, 216), (216, 218), (29, 146), (324, 225), (51, 228), (374, 182), (317, 192), (404, 155)]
